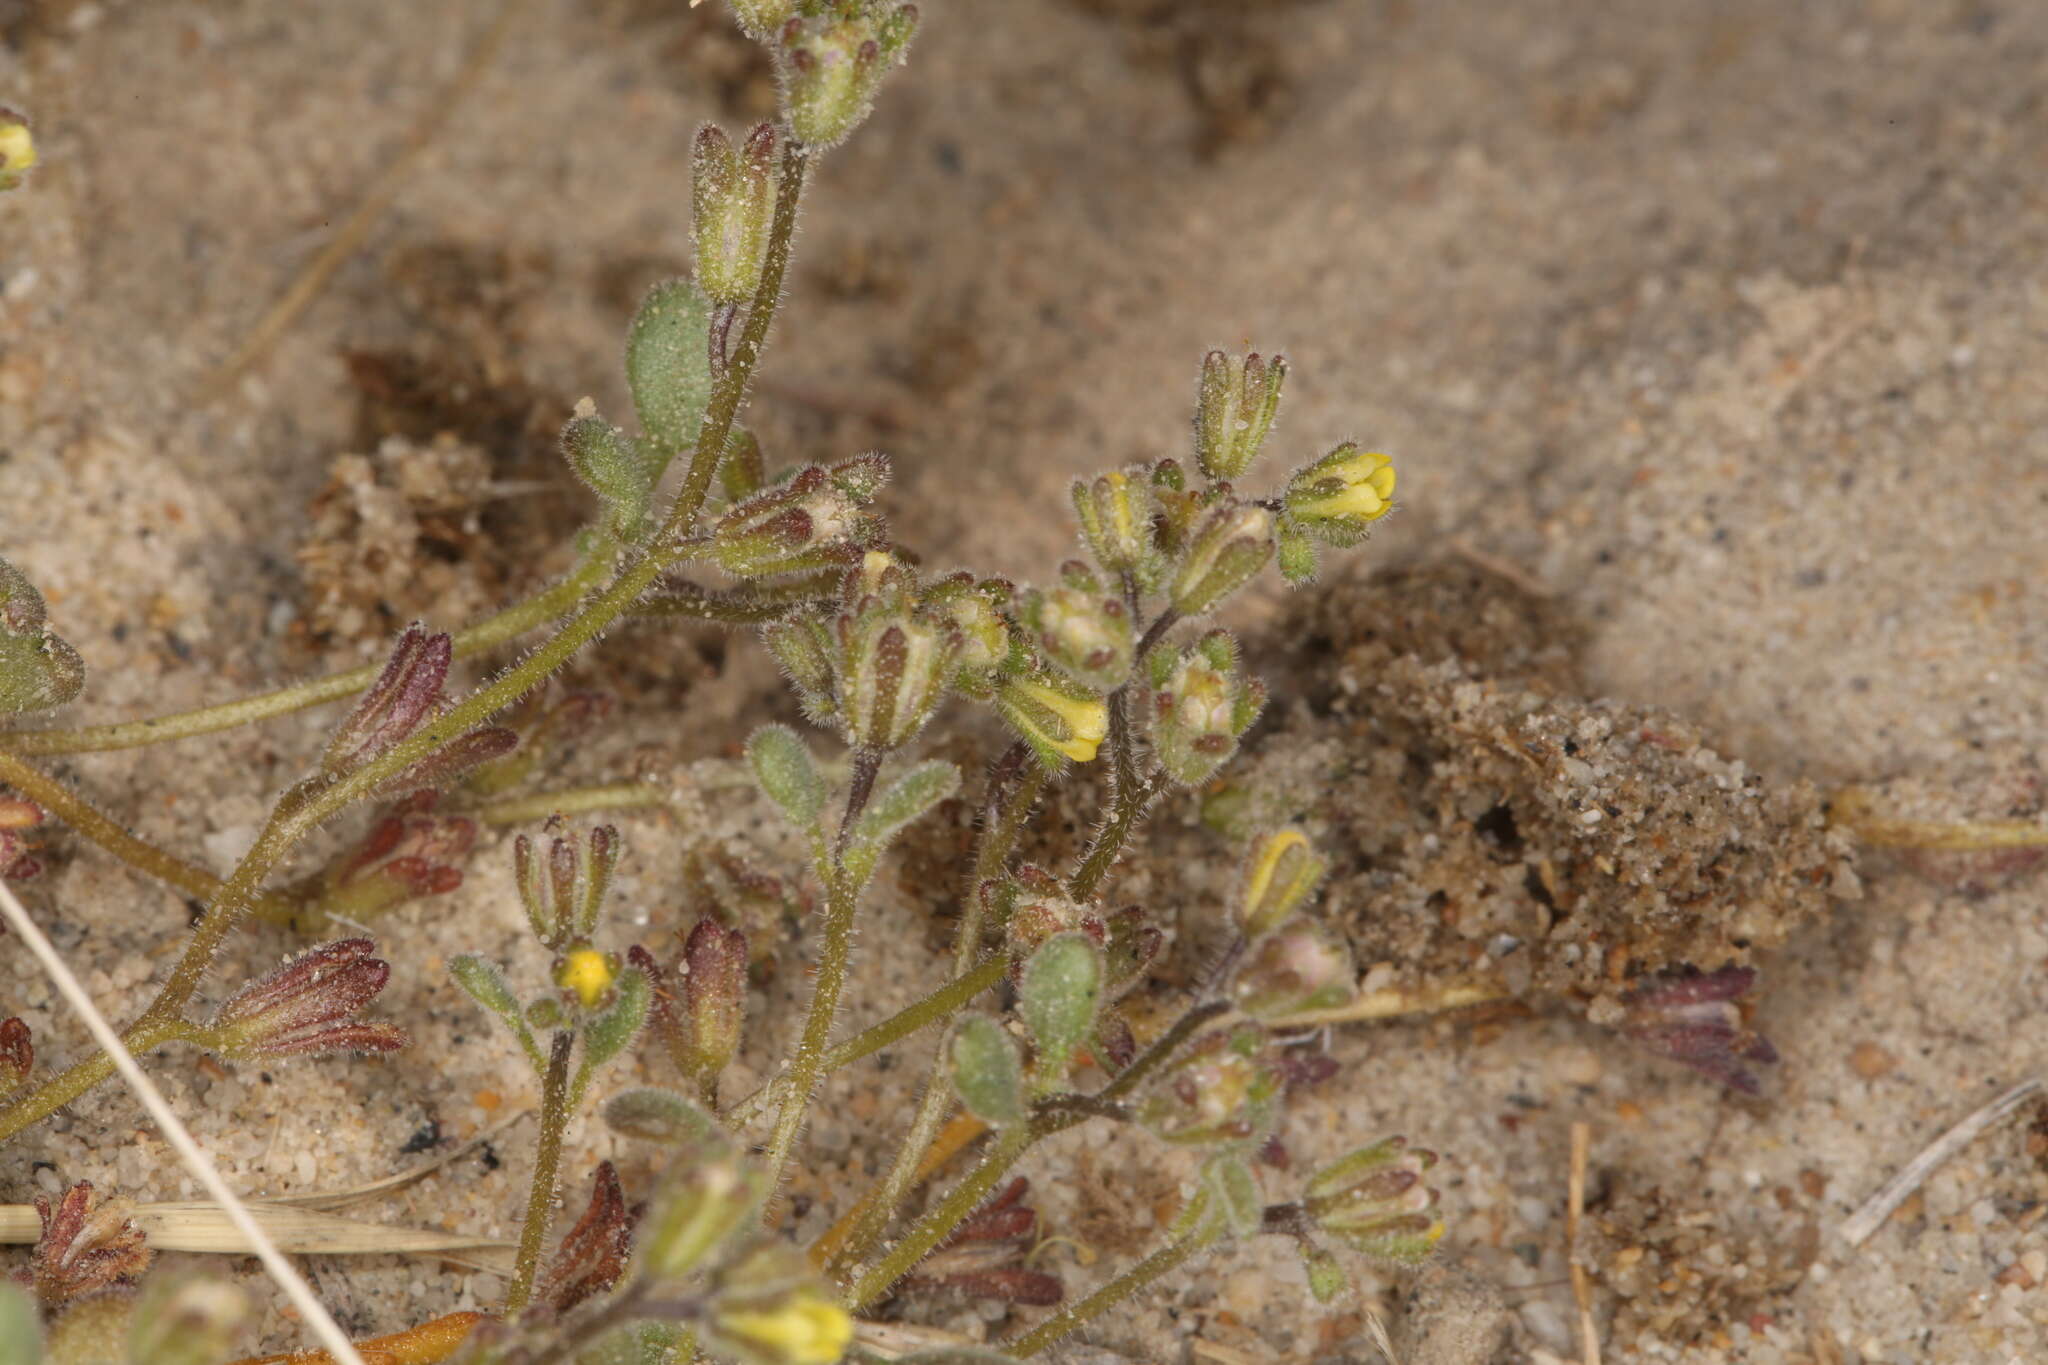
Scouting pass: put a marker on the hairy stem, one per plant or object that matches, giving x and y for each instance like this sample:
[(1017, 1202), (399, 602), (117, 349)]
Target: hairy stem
[(547, 1163), (68, 1084), (514, 621), (1129, 796), (519, 810), (1003, 817), (962, 1200), (1193, 1233)]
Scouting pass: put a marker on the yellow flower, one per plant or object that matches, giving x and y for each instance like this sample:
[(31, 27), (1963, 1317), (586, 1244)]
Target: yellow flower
[(587, 972), (806, 1329), (1085, 719), (1365, 491), (17, 148)]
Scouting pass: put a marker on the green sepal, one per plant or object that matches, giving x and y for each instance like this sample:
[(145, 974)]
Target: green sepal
[(1058, 996), (988, 1071), (655, 1114), (619, 1023), (1297, 553), (782, 766), (668, 368), (485, 984)]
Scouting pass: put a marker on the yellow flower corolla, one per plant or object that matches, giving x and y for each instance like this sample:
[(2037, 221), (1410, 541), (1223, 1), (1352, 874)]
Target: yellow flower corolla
[(17, 149), (587, 972), (1367, 493), (1086, 719), (805, 1329)]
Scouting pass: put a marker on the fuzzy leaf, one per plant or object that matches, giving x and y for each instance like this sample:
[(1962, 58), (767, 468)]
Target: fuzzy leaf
[(988, 1071), (903, 801), (608, 1034), (657, 1115), (610, 464), (486, 985), (1061, 988), (38, 669), (1236, 1192), (668, 367), (782, 765)]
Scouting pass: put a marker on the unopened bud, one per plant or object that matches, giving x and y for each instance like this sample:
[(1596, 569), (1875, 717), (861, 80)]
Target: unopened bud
[(700, 1000), (87, 1245), (1234, 408), (308, 1007), (38, 670), (1201, 703), (893, 657), (1116, 510), (1376, 1201), (833, 60), (979, 611), (732, 199), (1081, 629), (813, 520), (1225, 551), (17, 1054), (760, 18), (706, 1202), (1280, 874), (563, 887), (408, 855), (1292, 971), (1059, 720), (1224, 1090), (1339, 496), (1035, 907)]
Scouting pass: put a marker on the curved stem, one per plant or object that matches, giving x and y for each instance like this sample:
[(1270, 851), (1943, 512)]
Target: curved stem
[(1195, 1234), (91, 823), (494, 630), (962, 1200), (519, 810), (547, 1162)]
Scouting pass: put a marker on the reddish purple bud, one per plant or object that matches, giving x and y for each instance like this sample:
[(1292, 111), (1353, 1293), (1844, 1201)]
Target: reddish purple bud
[(407, 855), (593, 1255), (83, 1249), (17, 1054), (982, 1256), (700, 999), (308, 1007), (1695, 1018), (403, 696)]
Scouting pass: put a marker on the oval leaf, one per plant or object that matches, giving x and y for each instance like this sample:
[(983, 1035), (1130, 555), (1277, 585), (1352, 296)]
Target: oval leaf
[(905, 800), (782, 765), (668, 368), (988, 1071), (1061, 989), (659, 1115)]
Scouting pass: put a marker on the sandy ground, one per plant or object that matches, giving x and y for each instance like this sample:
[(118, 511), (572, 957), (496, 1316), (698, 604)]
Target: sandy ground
[(1722, 324)]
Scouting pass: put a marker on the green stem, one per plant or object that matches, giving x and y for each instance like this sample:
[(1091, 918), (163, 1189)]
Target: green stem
[(68, 1084), (547, 1162), (962, 1200), (506, 625), (89, 822), (1194, 1233), (1161, 1051), (519, 810), (304, 806), (685, 601), (940, 1005), (1003, 819)]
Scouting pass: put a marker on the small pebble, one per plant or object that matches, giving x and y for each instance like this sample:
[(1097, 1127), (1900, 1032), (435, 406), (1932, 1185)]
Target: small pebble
[(1870, 1061)]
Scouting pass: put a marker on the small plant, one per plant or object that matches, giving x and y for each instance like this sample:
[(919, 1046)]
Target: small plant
[(1110, 660)]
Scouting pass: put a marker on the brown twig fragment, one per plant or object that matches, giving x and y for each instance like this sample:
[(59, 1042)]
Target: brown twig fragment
[(1582, 1283)]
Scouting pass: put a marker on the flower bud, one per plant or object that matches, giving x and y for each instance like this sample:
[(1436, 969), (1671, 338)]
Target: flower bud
[(308, 1006), (1375, 1201), (979, 611), (760, 18), (707, 1201), (790, 1321), (1201, 703), (892, 657), (1116, 511), (17, 1054), (1225, 551), (17, 149), (1034, 906), (1059, 720), (732, 200), (586, 975), (1178, 508), (1234, 408), (1082, 630), (700, 1000), (407, 855), (813, 520), (38, 670), (86, 1246), (1280, 874), (405, 694), (1339, 496), (1224, 1090), (1292, 971), (832, 60), (1698, 1018), (563, 888)]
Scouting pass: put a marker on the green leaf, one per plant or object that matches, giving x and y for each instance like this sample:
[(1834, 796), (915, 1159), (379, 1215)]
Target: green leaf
[(38, 670), (988, 1071), (782, 765), (1326, 1275), (668, 367), (610, 464), (1236, 1192), (21, 1341), (901, 802), (607, 1035), (658, 1115), (1061, 989), (486, 985)]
